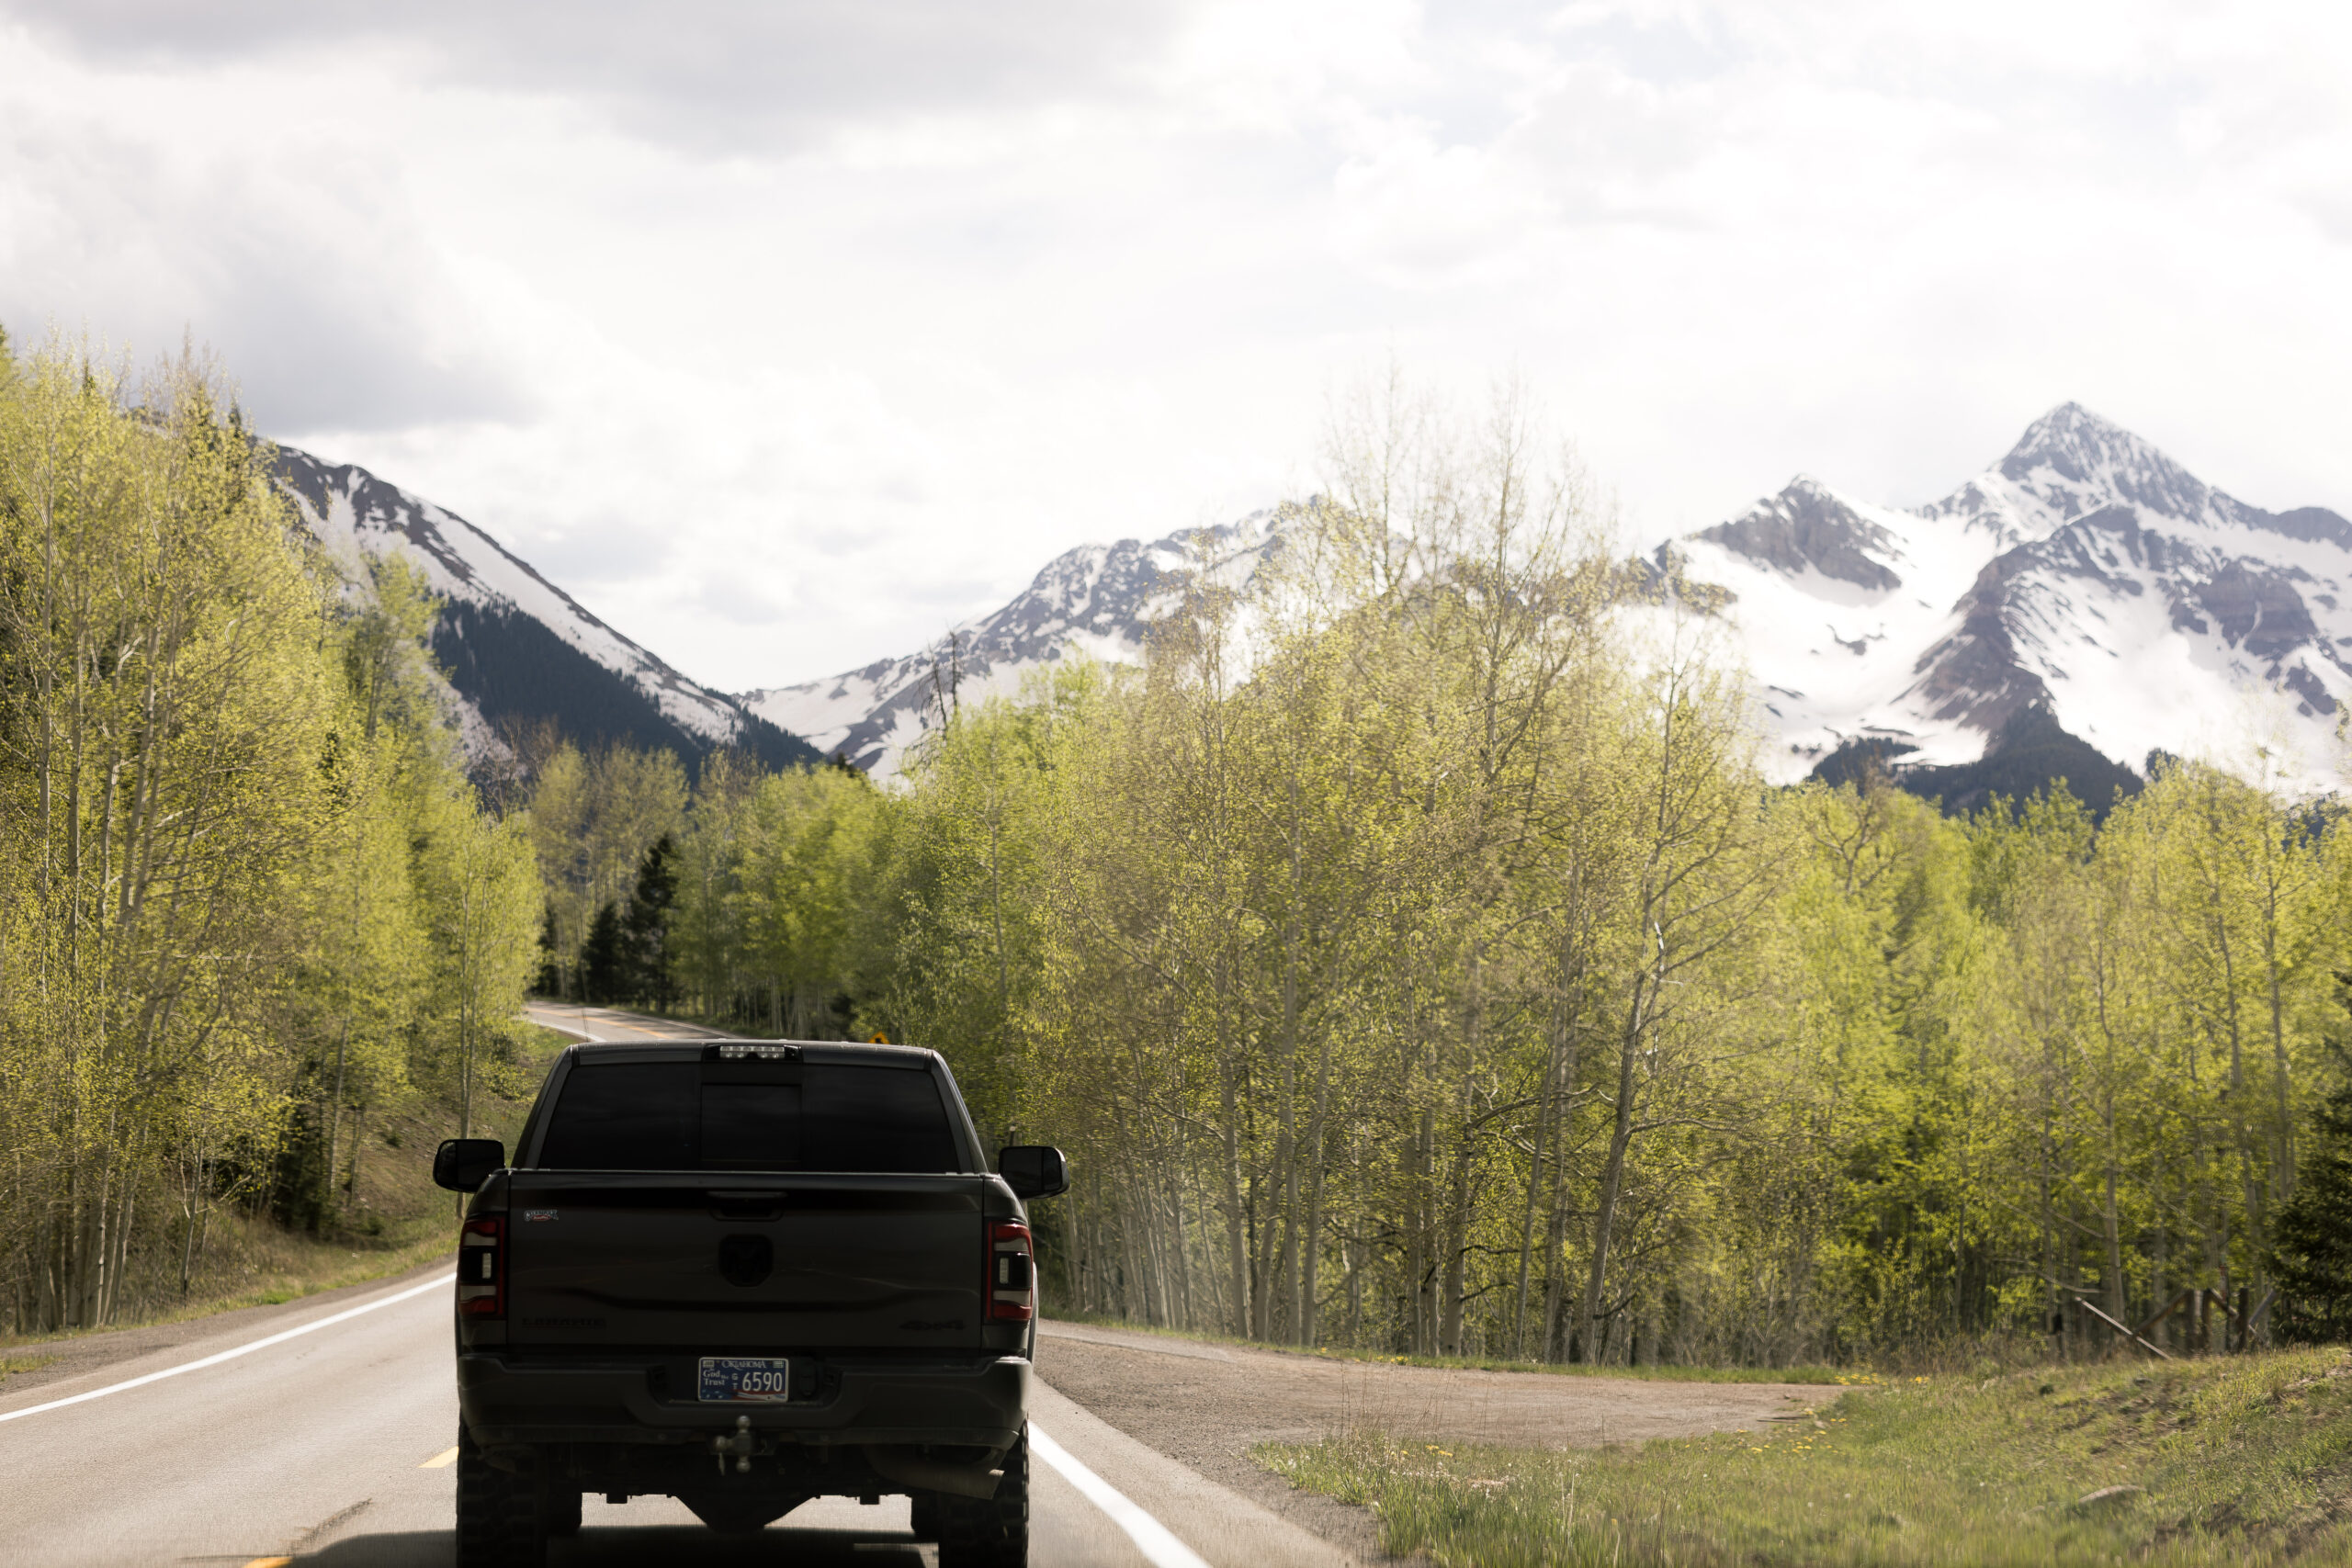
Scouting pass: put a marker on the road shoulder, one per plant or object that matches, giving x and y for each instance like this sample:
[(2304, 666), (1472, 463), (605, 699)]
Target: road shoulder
[(1206, 1405), (73, 1359), (1215, 1520)]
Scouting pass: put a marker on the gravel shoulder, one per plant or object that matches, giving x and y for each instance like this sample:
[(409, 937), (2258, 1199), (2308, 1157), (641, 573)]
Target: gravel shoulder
[(66, 1356), (1207, 1406)]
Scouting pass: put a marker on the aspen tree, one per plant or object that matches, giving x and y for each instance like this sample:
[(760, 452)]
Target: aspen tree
[(207, 756)]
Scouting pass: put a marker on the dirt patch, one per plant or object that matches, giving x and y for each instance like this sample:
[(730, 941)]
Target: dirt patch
[(1207, 1406)]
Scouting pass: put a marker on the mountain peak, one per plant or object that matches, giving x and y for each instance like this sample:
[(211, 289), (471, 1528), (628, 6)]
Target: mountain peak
[(2073, 462), (2075, 444), (1101, 599), (1810, 526), (514, 646), (2070, 430)]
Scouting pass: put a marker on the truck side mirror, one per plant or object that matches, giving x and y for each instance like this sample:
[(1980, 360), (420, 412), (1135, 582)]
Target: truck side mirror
[(1033, 1171), (461, 1165)]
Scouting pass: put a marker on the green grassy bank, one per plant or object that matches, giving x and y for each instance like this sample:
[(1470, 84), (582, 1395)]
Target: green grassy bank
[(392, 1220), (2242, 1460)]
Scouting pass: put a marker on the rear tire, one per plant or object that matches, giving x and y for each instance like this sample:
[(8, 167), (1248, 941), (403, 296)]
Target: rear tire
[(923, 1516), (990, 1532), (560, 1510), (498, 1512)]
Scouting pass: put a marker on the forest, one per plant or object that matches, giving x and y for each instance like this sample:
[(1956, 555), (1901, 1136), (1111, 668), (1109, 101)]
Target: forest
[(250, 902), (1411, 956)]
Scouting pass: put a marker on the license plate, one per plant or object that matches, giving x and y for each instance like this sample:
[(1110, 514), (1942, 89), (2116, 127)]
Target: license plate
[(744, 1379)]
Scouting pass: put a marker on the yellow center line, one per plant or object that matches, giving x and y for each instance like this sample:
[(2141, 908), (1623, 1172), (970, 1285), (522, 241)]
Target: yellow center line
[(437, 1461)]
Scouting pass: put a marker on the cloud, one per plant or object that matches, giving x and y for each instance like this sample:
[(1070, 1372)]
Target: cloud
[(727, 75), (850, 317), (308, 271)]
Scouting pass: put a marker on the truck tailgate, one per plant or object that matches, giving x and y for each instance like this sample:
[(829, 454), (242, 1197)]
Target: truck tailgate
[(743, 1260)]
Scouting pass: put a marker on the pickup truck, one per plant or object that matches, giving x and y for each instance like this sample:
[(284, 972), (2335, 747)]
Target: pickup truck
[(744, 1274)]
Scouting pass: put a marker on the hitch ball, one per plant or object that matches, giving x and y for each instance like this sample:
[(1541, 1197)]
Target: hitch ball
[(741, 1445)]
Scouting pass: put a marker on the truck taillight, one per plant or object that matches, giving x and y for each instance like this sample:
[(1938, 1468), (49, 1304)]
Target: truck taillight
[(1012, 1273), (481, 1268)]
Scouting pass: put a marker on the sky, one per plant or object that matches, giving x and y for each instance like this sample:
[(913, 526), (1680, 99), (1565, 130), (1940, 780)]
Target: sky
[(784, 333)]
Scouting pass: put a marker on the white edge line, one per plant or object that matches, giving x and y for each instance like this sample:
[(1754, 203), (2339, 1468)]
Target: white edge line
[(1154, 1540), (232, 1353), (583, 1034)]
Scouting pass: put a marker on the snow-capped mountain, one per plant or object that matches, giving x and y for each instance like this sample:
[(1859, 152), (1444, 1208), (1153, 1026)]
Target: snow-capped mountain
[(1100, 599), (2085, 576), (515, 645), (2086, 573)]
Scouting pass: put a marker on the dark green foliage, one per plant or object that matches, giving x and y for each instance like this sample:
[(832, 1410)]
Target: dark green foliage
[(628, 956), (2313, 1248), (772, 748), (551, 980), (604, 959), (295, 1190), (2033, 754), (516, 671), (1857, 761), (645, 927), (513, 668)]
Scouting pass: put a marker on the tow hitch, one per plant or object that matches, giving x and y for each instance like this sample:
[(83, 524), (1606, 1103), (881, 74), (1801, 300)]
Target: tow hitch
[(742, 1445)]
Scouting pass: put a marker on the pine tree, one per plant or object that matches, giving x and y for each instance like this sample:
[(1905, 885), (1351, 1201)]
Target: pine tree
[(2312, 1250), (550, 975), (603, 958), (645, 928)]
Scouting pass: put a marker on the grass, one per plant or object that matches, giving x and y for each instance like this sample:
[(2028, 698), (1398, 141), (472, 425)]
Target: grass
[(9, 1364), (256, 1263), (2239, 1461), (304, 1269), (1824, 1375)]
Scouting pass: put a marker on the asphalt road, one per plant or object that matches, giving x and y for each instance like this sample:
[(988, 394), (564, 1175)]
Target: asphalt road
[(610, 1025), (332, 1447), (331, 1442)]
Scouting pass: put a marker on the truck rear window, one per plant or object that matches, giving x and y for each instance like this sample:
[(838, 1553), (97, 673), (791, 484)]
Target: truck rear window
[(710, 1116)]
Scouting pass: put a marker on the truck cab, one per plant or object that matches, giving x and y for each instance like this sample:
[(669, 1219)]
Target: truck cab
[(745, 1273)]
